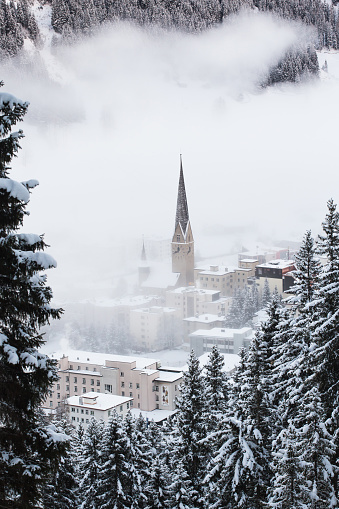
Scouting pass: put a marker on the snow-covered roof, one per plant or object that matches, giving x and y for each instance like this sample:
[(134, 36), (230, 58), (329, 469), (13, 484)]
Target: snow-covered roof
[(219, 270), (97, 400), (277, 264), (205, 318), (83, 372), (101, 358), (161, 280), (248, 260), (154, 310), (154, 415), (139, 300), (168, 376), (193, 289), (222, 332)]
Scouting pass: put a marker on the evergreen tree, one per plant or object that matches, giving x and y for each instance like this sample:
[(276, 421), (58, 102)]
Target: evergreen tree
[(191, 429), (90, 465), (114, 470), (266, 294), (28, 446), (217, 386)]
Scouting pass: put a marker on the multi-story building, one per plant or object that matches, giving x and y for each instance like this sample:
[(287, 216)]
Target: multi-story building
[(155, 328), (95, 405), (206, 321), (227, 340), (223, 279), (132, 377), (190, 301), (275, 272)]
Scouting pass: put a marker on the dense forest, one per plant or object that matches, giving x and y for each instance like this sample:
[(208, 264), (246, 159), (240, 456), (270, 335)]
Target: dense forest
[(72, 19)]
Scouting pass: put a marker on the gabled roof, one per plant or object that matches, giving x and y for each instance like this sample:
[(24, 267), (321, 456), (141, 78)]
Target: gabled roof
[(182, 216)]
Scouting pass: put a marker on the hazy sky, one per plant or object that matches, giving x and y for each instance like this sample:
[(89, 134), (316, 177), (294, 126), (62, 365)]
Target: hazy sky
[(104, 134)]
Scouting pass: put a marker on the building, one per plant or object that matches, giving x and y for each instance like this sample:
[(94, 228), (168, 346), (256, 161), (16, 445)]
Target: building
[(206, 321), (95, 405), (275, 272), (227, 340), (155, 328), (191, 301), (135, 378), (223, 279), (182, 240)]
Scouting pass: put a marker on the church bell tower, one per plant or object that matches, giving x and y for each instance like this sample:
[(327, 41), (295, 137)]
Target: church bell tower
[(182, 241)]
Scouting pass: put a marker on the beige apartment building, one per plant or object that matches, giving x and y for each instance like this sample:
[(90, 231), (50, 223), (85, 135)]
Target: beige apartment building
[(206, 321), (155, 328), (220, 278), (131, 377), (191, 301), (227, 340)]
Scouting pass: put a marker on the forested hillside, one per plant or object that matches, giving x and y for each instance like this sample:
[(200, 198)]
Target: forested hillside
[(72, 19)]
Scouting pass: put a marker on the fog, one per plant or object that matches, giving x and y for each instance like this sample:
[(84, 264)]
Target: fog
[(110, 116)]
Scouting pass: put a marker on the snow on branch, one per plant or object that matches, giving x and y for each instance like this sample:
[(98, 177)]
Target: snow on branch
[(15, 189)]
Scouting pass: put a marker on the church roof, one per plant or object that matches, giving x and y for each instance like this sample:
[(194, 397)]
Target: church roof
[(182, 216)]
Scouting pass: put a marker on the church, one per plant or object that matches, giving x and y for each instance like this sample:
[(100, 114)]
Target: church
[(158, 278)]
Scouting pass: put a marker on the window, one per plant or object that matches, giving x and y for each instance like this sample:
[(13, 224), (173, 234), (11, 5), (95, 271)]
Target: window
[(51, 403), (71, 366), (92, 389), (77, 419), (108, 388), (120, 408), (178, 238), (82, 419), (92, 412), (79, 367), (86, 368), (58, 395), (130, 385), (92, 381), (122, 384), (109, 413), (138, 405), (157, 406), (175, 387), (77, 410), (67, 388), (131, 394), (82, 410), (127, 404), (67, 378), (75, 379), (98, 383), (122, 393), (84, 390), (73, 418), (58, 387), (86, 412), (87, 421), (75, 388), (138, 386), (122, 373), (84, 380), (138, 396), (94, 369), (131, 404), (156, 398)]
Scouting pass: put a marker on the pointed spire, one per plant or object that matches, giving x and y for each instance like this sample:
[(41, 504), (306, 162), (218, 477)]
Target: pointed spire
[(182, 216), (143, 251)]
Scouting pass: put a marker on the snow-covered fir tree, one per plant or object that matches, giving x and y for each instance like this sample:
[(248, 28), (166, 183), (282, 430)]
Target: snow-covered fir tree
[(28, 446), (191, 429), (90, 465)]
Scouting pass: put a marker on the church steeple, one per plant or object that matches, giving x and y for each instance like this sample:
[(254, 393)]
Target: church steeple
[(182, 241), (182, 216)]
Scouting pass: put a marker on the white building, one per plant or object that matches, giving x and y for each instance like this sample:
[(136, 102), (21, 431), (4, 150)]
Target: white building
[(95, 405), (227, 340), (191, 301), (154, 328)]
